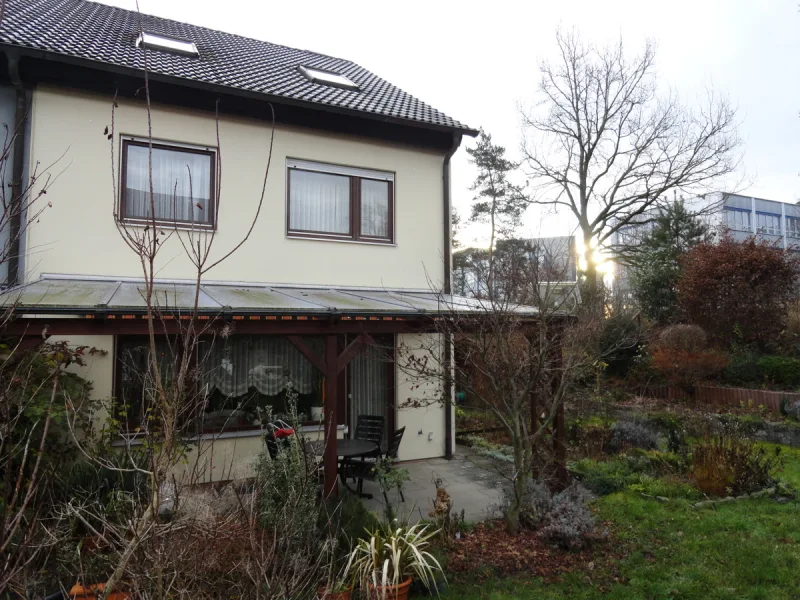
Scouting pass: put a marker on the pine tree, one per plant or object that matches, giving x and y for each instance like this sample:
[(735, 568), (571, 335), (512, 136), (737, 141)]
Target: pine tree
[(498, 202), (656, 263)]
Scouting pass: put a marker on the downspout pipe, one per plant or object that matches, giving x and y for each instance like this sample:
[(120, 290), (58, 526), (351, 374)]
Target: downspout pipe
[(448, 289), (19, 132)]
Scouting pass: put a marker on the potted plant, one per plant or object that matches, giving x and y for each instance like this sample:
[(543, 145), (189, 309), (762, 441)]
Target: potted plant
[(340, 590), (94, 591), (385, 563)]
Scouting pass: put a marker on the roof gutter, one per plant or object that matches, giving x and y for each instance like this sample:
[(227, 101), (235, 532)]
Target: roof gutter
[(19, 133), (447, 285), (223, 89)]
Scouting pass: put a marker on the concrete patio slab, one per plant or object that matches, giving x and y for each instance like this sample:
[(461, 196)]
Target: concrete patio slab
[(472, 488)]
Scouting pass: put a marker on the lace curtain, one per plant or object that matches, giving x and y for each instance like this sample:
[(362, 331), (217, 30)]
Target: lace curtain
[(266, 363)]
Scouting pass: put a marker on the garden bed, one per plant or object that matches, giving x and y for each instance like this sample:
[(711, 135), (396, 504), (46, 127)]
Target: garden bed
[(488, 551)]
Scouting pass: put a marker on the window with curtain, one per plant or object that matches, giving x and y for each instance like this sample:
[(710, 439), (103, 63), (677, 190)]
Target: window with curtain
[(339, 202), (240, 381), (183, 184)]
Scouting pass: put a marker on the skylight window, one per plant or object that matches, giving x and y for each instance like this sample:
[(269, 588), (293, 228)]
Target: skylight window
[(328, 78), (168, 44)]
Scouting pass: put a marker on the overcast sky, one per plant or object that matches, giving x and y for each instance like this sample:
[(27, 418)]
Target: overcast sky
[(478, 61)]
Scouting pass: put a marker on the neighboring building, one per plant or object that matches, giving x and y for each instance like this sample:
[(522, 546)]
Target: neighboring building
[(736, 215), (550, 263), (353, 236)]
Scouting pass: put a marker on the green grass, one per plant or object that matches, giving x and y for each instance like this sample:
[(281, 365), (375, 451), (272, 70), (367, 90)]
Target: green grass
[(748, 549)]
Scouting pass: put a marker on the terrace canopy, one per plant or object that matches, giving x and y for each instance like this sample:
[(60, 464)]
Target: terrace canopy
[(77, 305)]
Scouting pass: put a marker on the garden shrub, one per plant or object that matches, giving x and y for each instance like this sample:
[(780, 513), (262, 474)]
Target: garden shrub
[(287, 487), (347, 520), (628, 434), (664, 487), (620, 343), (742, 369), (686, 368), (674, 429), (739, 291), (604, 477), (726, 463), (780, 370), (536, 503), (687, 338), (569, 522), (589, 436)]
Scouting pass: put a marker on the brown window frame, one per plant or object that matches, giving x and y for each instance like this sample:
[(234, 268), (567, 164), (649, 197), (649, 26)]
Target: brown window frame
[(179, 223), (355, 210)]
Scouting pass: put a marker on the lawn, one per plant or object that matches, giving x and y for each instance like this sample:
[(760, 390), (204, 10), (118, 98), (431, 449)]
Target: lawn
[(749, 549)]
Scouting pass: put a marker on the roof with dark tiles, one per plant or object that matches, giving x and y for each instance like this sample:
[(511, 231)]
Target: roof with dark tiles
[(96, 32)]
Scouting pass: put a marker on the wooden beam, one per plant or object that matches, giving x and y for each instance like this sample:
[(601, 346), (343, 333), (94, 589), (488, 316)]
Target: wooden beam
[(139, 327), (307, 351), (353, 349), (331, 459)]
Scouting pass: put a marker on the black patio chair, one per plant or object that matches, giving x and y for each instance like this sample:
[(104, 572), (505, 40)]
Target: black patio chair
[(362, 471), (370, 428)]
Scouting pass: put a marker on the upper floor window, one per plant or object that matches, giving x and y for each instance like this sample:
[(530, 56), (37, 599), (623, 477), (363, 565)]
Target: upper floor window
[(182, 180), (793, 227), (768, 223), (330, 201), (738, 219)]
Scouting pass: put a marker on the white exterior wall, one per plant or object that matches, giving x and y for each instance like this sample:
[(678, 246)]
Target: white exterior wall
[(420, 407), (78, 236)]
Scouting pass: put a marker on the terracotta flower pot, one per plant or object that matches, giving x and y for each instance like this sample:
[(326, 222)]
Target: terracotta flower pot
[(94, 591), (324, 594), (390, 592)]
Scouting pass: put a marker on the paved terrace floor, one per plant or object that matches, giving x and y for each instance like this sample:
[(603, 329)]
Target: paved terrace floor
[(468, 478)]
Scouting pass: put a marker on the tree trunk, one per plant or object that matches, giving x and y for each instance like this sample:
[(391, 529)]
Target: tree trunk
[(520, 483)]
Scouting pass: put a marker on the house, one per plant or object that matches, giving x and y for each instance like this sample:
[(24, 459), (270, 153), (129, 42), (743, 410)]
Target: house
[(550, 264), (350, 253), (738, 216)]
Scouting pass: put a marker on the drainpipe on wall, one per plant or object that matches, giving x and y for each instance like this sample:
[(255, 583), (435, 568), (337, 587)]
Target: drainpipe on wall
[(448, 289), (18, 157)]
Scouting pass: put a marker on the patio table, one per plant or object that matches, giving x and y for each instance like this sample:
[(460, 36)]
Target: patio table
[(345, 449)]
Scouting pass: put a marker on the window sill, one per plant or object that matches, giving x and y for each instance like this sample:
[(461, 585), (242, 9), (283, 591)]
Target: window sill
[(167, 225), (322, 238), (126, 441)]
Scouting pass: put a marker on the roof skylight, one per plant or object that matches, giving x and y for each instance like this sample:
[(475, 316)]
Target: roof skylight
[(328, 78), (168, 44)]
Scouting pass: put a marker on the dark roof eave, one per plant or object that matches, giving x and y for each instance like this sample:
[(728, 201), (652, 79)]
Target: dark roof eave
[(233, 91)]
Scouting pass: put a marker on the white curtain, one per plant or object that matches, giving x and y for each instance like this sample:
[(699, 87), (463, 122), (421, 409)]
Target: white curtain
[(319, 202), (181, 185), (266, 363), (369, 386), (374, 208)]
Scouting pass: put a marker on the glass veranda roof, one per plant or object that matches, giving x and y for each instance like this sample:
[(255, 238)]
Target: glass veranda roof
[(76, 295)]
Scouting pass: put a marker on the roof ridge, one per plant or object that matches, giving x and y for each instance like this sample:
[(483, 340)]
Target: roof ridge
[(103, 34)]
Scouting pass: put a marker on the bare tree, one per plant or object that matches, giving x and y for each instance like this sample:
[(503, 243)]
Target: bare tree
[(174, 332), (605, 144)]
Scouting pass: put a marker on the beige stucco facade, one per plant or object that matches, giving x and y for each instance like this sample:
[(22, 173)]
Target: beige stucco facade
[(77, 234)]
